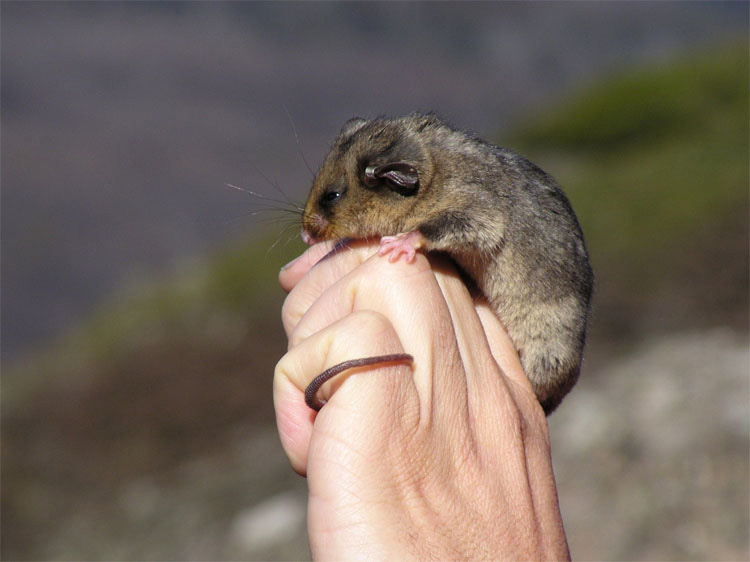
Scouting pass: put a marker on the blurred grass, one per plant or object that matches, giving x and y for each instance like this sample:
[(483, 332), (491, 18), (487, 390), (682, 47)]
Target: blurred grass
[(655, 162), (217, 301), (648, 154), (659, 102)]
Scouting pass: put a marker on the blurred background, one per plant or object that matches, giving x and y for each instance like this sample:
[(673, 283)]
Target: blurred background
[(140, 307)]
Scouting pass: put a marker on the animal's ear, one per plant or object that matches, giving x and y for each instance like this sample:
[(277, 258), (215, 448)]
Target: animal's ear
[(351, 126), (401, 177)]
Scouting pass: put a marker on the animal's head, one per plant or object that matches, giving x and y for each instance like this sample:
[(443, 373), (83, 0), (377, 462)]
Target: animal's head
[(371, 179)]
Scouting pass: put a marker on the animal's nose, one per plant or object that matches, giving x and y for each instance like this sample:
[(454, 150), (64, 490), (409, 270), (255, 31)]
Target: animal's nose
[(308, 238)]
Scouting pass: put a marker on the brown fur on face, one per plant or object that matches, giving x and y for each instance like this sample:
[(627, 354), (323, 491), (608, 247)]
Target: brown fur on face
[(503, 220), (362, 211)]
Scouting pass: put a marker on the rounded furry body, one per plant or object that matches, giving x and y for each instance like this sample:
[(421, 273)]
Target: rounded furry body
[(503, 220)]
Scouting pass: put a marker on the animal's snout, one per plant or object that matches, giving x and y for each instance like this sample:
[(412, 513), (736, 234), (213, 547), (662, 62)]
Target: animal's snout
[(308, 238)]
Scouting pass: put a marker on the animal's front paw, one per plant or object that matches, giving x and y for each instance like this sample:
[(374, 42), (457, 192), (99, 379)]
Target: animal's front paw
[(402, 244)]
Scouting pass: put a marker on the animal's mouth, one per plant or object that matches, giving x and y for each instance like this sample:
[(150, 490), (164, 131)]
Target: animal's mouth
[(314, 229), (308, 238)]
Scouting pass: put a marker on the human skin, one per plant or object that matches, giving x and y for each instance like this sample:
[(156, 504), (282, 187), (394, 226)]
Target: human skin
[(447, 458)]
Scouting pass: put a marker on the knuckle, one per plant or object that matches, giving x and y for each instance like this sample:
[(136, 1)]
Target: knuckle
[(537, 431), (282, 368), (290, 313), (529, 424), (370, 322), (516, 422)]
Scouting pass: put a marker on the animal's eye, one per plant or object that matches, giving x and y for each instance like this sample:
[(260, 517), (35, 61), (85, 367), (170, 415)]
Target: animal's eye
[(331, 196)]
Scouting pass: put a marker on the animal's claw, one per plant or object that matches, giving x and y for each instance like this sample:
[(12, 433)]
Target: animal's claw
[(402, 244)]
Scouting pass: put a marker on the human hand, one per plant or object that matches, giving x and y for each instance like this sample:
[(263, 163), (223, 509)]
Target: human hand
[(445, 459)]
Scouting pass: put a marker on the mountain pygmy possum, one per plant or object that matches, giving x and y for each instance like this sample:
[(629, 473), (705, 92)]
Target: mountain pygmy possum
[(417, 183)]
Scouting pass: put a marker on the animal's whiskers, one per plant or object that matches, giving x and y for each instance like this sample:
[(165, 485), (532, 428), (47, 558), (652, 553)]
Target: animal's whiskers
[(289, 238), (296, 139), (286, 204)]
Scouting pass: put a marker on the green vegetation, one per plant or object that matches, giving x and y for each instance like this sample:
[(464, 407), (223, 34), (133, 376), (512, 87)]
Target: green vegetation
[(649, 104), (651, 154), (218, 302)]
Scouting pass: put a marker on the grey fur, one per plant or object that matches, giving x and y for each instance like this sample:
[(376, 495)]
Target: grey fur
[(503, 220)]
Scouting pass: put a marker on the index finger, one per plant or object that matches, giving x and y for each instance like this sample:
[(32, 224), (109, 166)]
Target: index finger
[(292, 272)]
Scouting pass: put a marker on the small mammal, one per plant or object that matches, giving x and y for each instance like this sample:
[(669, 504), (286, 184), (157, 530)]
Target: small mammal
[(418, 183)]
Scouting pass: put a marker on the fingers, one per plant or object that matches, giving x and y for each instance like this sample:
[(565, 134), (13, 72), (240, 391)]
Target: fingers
[(533, 424), (434, 319), (296, 269), (501, 346), (411, 298), (292, 272), (394, 289), (466, 385), (476, 331), (319, 267), (486, 385), (387, 387), (531, 420)]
